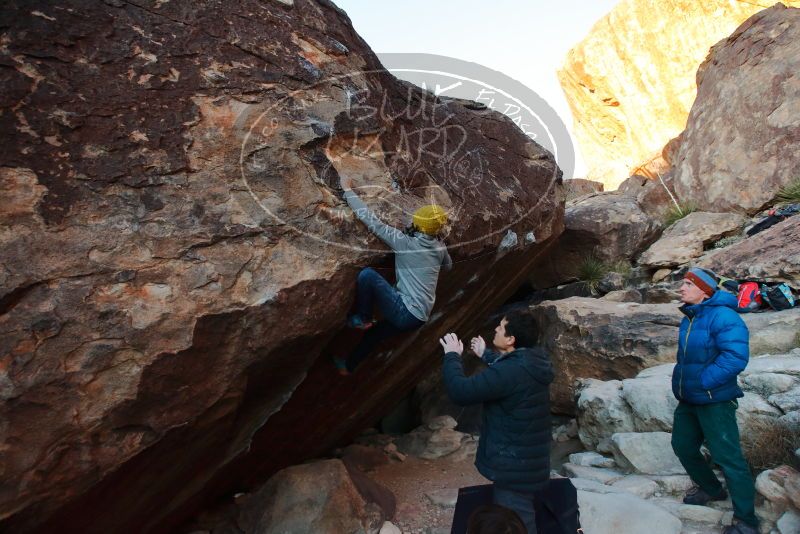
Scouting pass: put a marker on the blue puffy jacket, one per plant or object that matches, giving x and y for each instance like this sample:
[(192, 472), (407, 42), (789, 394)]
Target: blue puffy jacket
[(713, 348), (514, 446)]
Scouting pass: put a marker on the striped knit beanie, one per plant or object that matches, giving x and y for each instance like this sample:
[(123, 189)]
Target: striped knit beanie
[(704, 279)]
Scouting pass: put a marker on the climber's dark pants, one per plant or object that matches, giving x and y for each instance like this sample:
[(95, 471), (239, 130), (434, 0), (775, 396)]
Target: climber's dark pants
[(373, 289)]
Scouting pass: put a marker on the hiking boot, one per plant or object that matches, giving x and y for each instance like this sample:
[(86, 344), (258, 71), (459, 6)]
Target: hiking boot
[(740, 527), (341, 366), (355, 321), (699, 497)]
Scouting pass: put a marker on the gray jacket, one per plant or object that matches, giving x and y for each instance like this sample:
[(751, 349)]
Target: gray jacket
[(418, 259)]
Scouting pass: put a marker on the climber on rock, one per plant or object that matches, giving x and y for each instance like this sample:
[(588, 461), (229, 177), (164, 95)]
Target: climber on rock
[(419, 256)]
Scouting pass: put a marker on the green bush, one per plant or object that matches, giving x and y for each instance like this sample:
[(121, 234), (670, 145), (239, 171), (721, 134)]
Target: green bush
[(790, 193), (592, 269), (678, 212)]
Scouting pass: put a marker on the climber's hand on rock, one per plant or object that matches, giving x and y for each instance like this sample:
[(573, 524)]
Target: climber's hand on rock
[(451, 343), (345, 182), (478, 345)]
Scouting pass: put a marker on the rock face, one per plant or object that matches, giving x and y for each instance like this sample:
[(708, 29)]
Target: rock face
[(623, 420), (578, 187), (321, 496), (742, 139), (646, 403), (606, 340), (602, 412), (652, 195), (316, 497), (623, 513), (592, 338), (631, 82), (686, 239), (175, 260), (772, 255), (646, 452), (608, 226)]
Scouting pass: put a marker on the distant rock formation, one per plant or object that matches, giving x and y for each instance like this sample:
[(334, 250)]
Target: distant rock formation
[(176, 262), (631, 82)]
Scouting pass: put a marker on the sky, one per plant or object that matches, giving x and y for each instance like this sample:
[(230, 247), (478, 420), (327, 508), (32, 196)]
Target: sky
[(524, 39)]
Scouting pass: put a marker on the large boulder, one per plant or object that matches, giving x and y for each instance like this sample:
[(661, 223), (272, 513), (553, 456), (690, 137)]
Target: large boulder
[(593, 338), (766, 384), (652, 402), (631, 81), (177, 261), (779, 363), (646, 452), (741, 142), (646, 403), (652, 194), (314, 497), (608, 510), (773, 332), (602, 412), (686, 239), (772, 484), (578, 187), (789, 522), (603, 476), (638, 485), (772, 255), (317, 497), (607, 226)]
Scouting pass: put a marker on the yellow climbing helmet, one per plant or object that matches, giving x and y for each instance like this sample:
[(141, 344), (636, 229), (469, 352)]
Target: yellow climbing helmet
[(430, 219)]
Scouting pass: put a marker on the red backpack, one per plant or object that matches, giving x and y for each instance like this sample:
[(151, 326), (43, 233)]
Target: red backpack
[(749, 297)]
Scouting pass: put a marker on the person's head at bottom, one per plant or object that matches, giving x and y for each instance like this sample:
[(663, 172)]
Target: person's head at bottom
[(494, 519)]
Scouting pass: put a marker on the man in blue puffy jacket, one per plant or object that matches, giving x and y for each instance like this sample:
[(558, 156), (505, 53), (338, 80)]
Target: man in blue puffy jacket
[(713, 348), (514, 446)]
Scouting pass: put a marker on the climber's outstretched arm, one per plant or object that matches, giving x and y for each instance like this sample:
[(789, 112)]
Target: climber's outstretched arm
[(390, 235)]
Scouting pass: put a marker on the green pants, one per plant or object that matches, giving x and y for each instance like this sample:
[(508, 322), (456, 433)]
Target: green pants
[(716, 425)]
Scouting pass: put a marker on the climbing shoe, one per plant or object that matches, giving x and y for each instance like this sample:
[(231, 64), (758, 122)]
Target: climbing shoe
[(699, 497), (355, 321), (740, 527), (341, 366)]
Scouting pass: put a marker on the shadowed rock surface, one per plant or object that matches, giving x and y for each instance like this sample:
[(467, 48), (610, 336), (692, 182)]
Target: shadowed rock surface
[(176, 262)]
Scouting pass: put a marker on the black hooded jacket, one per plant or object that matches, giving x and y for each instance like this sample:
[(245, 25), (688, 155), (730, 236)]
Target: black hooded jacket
[(514, 446)]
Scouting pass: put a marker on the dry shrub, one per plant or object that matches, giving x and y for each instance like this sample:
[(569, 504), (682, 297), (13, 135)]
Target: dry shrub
[(790, 192), (678, 212), (768, 442)]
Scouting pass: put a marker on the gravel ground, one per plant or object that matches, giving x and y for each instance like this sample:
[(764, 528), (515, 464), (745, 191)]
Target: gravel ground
[(413, 480)]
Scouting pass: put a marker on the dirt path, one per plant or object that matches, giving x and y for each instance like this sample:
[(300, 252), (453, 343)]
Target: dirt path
[(414, 479)]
